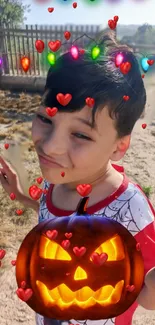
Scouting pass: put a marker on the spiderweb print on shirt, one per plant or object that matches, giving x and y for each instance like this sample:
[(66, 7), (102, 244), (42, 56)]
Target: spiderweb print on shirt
[(122, 209)]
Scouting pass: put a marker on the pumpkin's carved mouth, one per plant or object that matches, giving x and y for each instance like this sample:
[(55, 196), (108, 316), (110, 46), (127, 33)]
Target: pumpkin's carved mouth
[(63, 297)]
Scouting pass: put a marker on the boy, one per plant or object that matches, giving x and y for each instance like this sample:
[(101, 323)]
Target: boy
[(80, 141)]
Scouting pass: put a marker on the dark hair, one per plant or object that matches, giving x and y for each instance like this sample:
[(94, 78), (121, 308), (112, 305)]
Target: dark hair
[(101, 80)]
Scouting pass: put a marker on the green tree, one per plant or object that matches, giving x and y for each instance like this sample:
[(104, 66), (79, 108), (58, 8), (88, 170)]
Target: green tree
[(13, 12)]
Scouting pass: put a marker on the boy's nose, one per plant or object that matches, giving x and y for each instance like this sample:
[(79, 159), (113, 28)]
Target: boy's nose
[(54, 145)]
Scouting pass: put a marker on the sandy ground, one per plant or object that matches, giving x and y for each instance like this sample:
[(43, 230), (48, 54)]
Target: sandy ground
[(15, 127)]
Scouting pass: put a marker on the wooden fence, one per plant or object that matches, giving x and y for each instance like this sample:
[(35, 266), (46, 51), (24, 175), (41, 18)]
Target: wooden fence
[(16, 43)]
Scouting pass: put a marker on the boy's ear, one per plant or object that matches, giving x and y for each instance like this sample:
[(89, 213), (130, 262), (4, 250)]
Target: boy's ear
[(121, 148)]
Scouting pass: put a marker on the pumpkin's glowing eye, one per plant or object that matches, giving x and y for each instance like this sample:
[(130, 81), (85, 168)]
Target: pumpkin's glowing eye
[(52, 250), (113, 248)]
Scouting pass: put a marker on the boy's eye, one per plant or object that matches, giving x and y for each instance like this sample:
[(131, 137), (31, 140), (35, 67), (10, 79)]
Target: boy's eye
[(82, 136), (43, 119)]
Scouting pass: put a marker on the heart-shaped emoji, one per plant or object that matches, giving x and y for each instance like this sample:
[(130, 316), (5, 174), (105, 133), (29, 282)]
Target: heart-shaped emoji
[(144, 64), (99, 259), (52, 234), (125, 67), (35, 192), (138, 247), (67, 35), (130, 288), (39, 44), (82, 51), (54, 45), (2, 253), (68, 235), (39, 180), (74, 5), (112, 24), (24, 295), (144, 125), (150, 62), (12, 196), (84, 189), (90, 102), (19, 212), (126, 98), (143, 76), (116, 19), (23, 284), (64, 99), (118, 59), (62, 174), (65, 244), (51, 111), (50, 9), (79, 251), (6, 145), (13, 262)]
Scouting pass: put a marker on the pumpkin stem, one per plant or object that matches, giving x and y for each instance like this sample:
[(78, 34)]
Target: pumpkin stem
[(82, 206)]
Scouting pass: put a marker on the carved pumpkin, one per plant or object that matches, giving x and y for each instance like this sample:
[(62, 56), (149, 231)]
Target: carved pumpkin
[(80, 267)]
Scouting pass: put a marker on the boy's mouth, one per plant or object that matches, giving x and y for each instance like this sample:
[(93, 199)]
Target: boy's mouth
[(49, 162)]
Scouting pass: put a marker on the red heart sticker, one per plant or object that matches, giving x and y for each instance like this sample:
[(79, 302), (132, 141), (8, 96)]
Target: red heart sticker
[(23, 284), (50, 9), (19, 212), (112, 24), (12, 196), (138, 247), (90, 101), (99, 259), (84, 189), (68, 235), (64, 99), (24, 295), (126, 98), (79, 251), (54, 45), (65, 244), (52, 234), (82, 51), (6, 146), (150, 62), (35, 192), (116, 19), (2, 253), (13, 262), (39, 44), (51, 111), (125, 67), (39, 180), (74, 5), (62, 174), (67, 35), (130, 288), (144, 125), (45, 191), (143, 76)]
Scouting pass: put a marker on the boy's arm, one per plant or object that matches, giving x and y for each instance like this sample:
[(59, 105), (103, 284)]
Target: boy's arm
[(29, 203), (146, 238), (147, 295)]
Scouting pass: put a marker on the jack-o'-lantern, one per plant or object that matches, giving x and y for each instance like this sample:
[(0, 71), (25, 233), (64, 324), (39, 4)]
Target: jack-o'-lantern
[(80, 267)]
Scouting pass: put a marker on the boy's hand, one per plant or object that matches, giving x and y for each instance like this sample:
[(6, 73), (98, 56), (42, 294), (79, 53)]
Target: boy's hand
[(9, 179), (150, 279), (146, 298)]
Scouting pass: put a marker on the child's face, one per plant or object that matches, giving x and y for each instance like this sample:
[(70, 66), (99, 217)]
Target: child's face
[(82, 152)]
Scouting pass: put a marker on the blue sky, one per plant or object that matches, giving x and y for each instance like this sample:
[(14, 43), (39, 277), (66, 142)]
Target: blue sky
[(129, 12)]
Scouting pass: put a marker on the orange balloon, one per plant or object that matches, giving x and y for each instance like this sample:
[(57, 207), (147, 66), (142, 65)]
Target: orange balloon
[(25, 62)]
